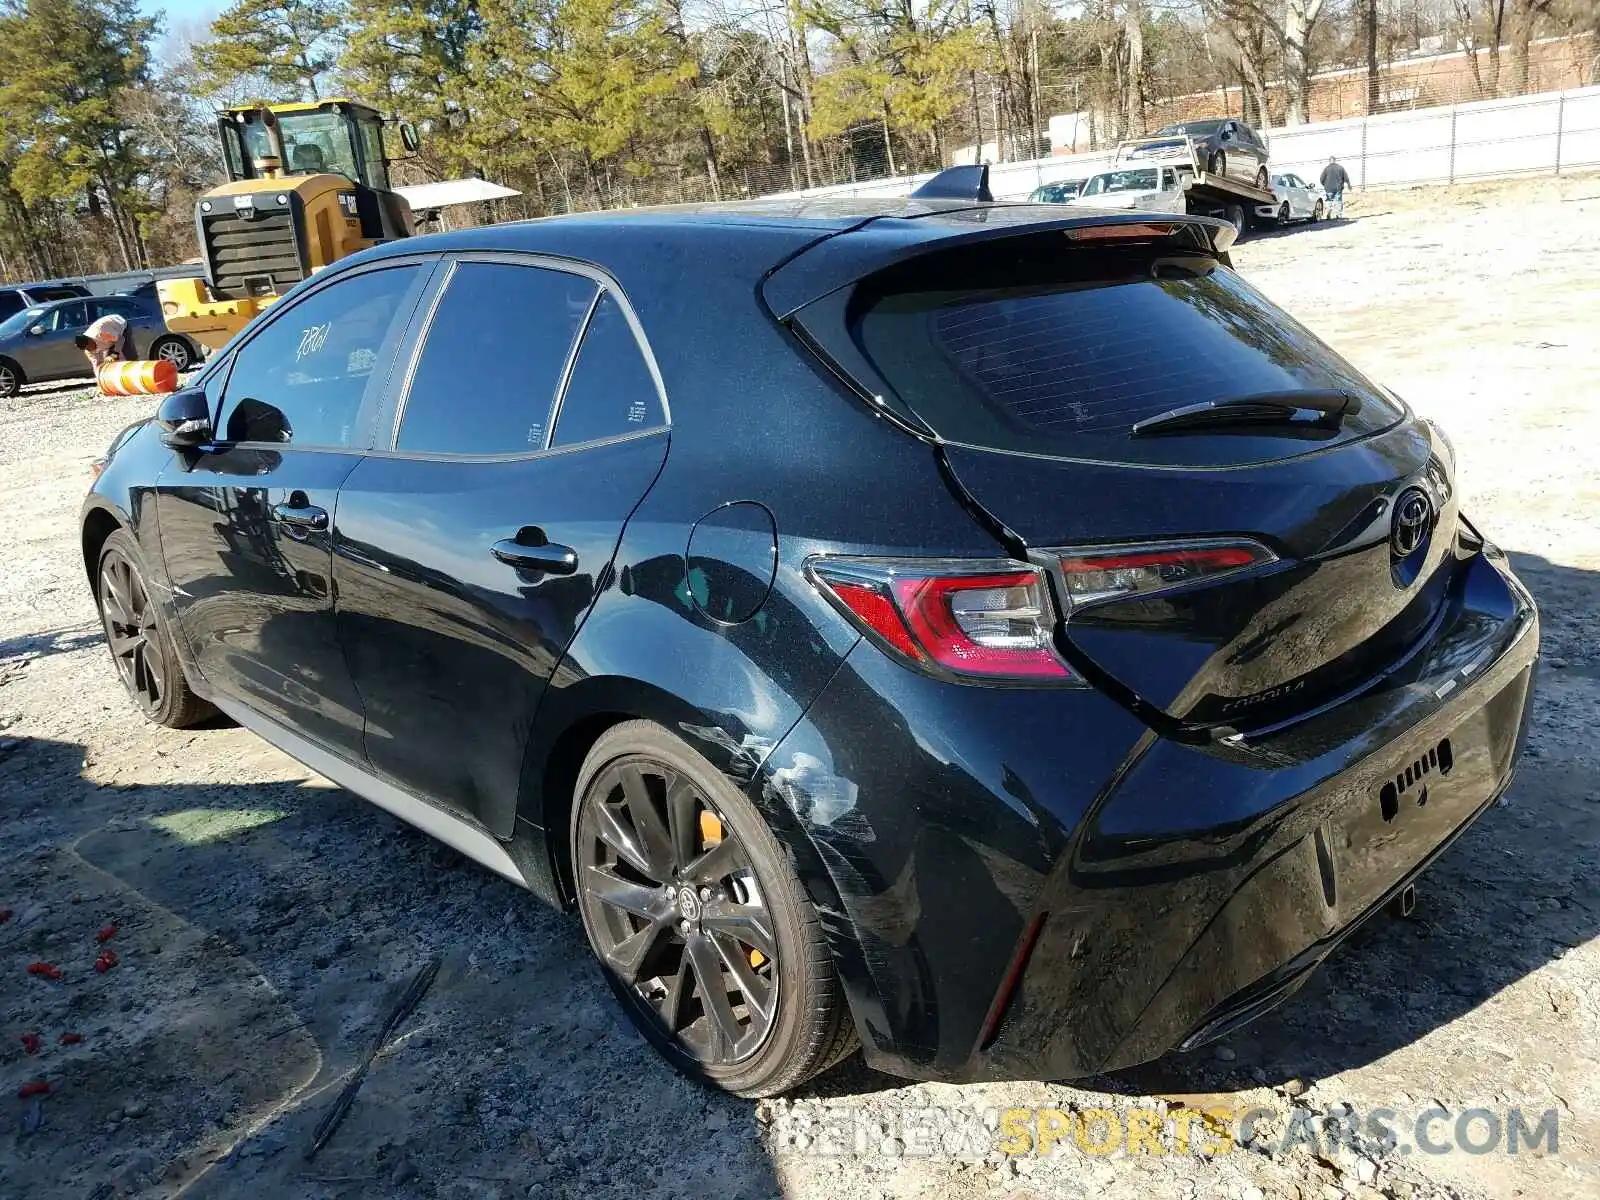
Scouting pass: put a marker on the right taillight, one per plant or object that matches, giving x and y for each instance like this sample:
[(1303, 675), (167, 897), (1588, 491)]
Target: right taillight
[(1091, 574), (981, 619)]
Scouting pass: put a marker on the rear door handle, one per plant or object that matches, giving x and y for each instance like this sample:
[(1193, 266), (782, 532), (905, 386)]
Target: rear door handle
[(531, 551), (300, 516)]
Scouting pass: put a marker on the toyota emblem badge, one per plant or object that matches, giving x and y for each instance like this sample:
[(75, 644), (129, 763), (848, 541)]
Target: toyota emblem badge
[(1413, 518)]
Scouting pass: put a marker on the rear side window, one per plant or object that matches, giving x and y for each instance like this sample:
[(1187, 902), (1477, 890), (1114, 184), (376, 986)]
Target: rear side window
[(495, 352), (612, 391), (117, 305), (1062, 352)]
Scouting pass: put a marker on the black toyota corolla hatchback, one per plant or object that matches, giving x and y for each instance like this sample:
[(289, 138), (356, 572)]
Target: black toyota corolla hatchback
[(991, 632)]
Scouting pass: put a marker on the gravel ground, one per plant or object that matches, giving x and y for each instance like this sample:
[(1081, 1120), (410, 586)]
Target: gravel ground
[(265, 922)]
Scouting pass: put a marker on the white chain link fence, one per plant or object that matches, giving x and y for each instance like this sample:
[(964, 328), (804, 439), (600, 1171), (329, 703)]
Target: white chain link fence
[(1542, 134)]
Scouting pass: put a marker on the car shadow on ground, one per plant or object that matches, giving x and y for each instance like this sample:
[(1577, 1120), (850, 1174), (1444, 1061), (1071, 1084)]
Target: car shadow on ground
[(264, 930), (52, 641), (1517, 891), (263, 933), (38, 390), (1261, 232)]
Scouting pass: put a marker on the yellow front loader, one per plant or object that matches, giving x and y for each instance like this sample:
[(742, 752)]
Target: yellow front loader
[(307, 185)]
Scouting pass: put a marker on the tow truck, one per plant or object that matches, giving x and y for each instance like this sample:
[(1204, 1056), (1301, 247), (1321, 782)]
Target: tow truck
[(1203, 194)]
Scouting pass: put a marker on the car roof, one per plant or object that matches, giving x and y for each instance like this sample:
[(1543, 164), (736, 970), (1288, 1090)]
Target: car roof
[(793, 248)]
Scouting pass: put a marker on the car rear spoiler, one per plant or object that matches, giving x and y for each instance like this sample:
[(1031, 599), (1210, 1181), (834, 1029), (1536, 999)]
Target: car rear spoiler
[(926, 226)]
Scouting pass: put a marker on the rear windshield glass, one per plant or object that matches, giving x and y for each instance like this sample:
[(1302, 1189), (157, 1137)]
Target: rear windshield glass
[(1192, 128), (1141, 179), (1061, 353)]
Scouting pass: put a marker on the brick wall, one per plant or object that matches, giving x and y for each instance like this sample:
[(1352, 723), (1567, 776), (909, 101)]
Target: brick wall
[(1554, 64)]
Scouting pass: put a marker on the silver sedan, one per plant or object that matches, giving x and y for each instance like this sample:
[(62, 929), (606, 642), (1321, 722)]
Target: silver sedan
[(1296, 200)]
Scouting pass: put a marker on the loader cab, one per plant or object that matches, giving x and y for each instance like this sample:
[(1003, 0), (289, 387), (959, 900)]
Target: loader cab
[(307, 185), (338, 137)]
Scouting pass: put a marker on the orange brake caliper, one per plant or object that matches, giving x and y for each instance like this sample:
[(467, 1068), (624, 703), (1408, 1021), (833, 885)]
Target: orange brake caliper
[(711, 835)]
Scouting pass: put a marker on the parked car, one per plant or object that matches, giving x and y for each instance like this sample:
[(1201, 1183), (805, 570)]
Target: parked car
[(15, 299), (1148, 189), (1056, 193), (996, 633), (1222, 146), (1296, 199), (36, 344)]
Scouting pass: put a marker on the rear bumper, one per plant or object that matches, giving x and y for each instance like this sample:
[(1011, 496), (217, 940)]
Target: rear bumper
[(1286, 919), (1179, 890)]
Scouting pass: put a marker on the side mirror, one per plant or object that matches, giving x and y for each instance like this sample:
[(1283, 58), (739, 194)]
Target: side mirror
[(408, 137), (184, 419), (35, 330)]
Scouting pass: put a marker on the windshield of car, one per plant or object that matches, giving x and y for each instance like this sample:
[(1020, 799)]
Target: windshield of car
[(312, 142), (1139, 180), (1056, 193), (1192, 128), (17, 322), (1052, 349)]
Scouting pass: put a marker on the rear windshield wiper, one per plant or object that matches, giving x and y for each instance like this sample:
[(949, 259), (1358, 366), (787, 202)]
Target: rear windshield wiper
[(1271, 408)]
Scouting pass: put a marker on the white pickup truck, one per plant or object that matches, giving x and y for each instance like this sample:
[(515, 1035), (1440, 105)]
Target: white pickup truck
[(1170, 184)]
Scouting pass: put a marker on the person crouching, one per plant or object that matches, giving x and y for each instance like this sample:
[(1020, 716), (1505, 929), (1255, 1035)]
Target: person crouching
[(103, 341)]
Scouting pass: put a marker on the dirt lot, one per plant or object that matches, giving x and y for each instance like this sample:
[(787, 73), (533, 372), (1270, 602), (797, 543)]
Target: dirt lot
[(265, 921)]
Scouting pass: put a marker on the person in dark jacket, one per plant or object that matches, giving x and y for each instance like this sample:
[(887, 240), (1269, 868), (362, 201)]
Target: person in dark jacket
[(1334, 180)]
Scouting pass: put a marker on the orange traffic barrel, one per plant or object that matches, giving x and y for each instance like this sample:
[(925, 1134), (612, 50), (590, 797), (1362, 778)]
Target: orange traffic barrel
[(146, 378)]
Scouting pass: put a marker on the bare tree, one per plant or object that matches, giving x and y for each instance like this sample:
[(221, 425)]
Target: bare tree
[(1488, 25), (1248, 30), (1370, 20), (1298, 18)]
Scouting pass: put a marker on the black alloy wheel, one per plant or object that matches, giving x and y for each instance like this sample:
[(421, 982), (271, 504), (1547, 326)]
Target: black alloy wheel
[(695, 912), (675, 910), (1283, 213), (131, 631), (141, 647)]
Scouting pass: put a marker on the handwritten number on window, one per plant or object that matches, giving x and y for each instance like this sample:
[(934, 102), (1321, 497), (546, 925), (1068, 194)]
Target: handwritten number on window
[(312, 340)]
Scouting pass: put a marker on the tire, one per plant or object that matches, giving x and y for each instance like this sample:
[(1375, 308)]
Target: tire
[(175, 350), (139, 640), (1219, 163), (1261, 179), (1234, 215), (1283, 213), (1320, 211), (10, 379), (638, 831)]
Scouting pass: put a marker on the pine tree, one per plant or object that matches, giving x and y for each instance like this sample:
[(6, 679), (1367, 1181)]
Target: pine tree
[(290, 46), (66, 66), (410, 59)]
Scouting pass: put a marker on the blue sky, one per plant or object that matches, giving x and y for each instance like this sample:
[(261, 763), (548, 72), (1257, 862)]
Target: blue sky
[(184, 14)]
